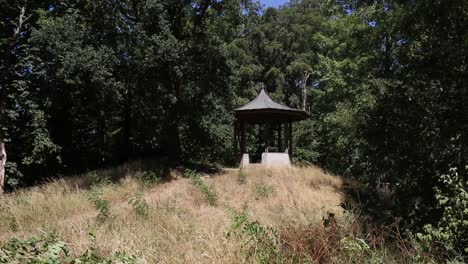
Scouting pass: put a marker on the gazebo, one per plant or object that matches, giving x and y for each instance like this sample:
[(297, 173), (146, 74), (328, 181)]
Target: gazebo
[(271, 118)]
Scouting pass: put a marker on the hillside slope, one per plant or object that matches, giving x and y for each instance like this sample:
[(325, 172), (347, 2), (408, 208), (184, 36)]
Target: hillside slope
[(178, 224)]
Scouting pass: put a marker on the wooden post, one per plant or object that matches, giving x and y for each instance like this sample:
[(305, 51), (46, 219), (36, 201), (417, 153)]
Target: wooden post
[(234, 145), (286, 137), (267, 136), (260, 138), (3, 158), (242, 143), (279, 138), (290, 140)]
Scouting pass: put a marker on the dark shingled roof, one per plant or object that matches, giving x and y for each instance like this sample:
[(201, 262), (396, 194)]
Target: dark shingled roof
[(263, 101), (263, 108)]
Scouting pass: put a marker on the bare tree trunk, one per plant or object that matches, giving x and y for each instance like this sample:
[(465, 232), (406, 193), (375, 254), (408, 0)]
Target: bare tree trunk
[(304, 90), (3, 158), (8, 62), (21, 19)]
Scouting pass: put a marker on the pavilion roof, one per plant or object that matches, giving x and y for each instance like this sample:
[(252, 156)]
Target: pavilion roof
[(263, 108)]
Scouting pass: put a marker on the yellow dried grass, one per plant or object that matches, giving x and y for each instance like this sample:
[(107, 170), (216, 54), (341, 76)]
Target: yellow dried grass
[(180, 226)]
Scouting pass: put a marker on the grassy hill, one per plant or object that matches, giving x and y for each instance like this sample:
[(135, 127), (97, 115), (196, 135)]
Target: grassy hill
[(131, 215)]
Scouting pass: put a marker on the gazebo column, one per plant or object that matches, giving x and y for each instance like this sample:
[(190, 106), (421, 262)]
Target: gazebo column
[(279, 138), (290, 146), (242, 141), (234, 145), (260, 138), (267, 135)]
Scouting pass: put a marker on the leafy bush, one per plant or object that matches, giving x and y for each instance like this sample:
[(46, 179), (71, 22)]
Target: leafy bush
[(241, 177), (33, 250), (101, 204), (450, 233), (263, 191), (259, 242), (14, 175), (210, 195), (139, 205), (50, 250), (100, 180), (149, 178)]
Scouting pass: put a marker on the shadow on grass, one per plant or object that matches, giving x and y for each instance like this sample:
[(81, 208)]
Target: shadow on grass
[(159, 168)]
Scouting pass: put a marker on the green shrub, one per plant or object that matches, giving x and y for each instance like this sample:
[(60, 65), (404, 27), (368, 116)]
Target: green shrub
[(150, 178), (50, 250), (354, 247), (139, 205), (210, 195), (241, 177), (100, 180), (102, 205), (259, 242), (33, 250), (450, 233), (263, 191)]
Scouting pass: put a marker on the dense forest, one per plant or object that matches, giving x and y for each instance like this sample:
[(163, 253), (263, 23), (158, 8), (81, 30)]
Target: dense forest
[(90, 84)]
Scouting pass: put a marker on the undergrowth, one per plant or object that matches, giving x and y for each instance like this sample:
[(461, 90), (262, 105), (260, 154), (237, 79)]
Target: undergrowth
[(263, 191), (49, 249), (100, 204), (210, 195), (258, 242), (139, 204), (354, 241), (241, 177), (99, 180), (150, 178)]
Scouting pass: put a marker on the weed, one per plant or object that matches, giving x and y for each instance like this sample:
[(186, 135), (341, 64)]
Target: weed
[(150, 178), (263, 191), (139, 205), (259, 242), (211, 197), (101, 205), (100, 180), (241, 177), (50, 249)]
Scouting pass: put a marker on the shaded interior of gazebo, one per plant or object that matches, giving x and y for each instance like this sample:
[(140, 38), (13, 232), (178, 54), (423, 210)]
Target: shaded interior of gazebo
[(270, 122)]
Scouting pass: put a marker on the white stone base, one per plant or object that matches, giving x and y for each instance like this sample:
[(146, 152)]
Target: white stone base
[(245, 161), (276, 159), (269, 159)]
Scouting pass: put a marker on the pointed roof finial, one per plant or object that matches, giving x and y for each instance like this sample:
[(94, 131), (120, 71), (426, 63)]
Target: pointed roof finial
[(262, 86)]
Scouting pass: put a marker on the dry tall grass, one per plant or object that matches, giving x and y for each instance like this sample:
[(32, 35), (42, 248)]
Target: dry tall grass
[(180, 226)]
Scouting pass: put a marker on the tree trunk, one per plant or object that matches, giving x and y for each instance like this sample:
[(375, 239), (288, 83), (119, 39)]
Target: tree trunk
[(3, 158), (7, 64), (304, 90), (174, 147)]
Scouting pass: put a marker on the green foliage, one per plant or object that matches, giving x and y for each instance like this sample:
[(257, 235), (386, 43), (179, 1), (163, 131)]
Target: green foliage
[(139, 204), (210, 195), (14, 178), (449, 233), (100, 204), (100, 180), (149, 178), (241, 177), (33, 250), (50, 250), (354, 246), (259, 242), (263, 191)]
